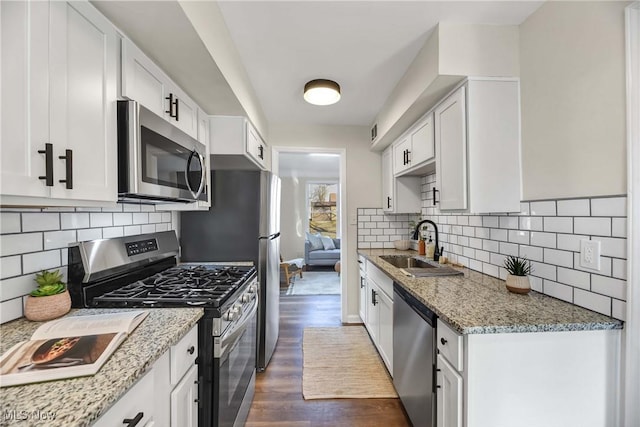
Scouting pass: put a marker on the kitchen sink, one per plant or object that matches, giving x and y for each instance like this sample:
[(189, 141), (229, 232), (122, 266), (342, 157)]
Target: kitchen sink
[(416, 267)]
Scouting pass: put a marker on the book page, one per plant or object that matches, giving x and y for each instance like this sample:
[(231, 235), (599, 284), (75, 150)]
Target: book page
[(90, 325)]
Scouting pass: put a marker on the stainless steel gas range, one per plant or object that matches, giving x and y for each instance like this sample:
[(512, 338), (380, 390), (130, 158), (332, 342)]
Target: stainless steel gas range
[(142, 271)]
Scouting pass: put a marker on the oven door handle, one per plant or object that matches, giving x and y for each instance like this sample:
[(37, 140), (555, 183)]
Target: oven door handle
[(228, 340), (203, 175)]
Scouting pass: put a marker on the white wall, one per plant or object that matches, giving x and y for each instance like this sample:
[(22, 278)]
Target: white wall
[(362, 180), (573, 100)]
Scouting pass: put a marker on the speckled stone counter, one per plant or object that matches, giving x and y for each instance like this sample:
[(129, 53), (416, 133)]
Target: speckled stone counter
[(475, 303), (81, 401)]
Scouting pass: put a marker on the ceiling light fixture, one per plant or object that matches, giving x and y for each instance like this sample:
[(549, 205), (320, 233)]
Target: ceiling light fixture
[(322, 92)]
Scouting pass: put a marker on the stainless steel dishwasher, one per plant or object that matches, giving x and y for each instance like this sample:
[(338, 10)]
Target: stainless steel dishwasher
[(414, 344)]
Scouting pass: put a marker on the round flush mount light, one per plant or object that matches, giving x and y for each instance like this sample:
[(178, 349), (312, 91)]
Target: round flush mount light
[(322, 92)]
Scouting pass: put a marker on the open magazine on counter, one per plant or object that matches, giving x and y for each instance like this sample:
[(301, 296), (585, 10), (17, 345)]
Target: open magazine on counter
[(70, 347)]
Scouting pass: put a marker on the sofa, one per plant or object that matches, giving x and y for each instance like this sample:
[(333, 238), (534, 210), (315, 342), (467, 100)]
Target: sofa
[(321, 256)]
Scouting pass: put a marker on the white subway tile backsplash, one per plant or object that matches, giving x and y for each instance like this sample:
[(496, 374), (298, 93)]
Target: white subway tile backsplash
[(89, 234), (558, 224), (490, 221), (533, 223), (101, 219), (609, 206), (370, 211), (619, 309), (578, 207), (463, 220), (132, 230), (147, 228), (13, 244), (112, 208), (375, 231), (10, 310), (125, 218), (558, 290), (483, 233), (59, 239), (531, 253), (619, 227), (517, 236), (592, 226), (147, 208), (141, 218), (556, 257), (110, 232), (608, 286), (509, 249), (128, 207), (547, 208), (536, 283), (605, 265), (497, 259), (483, 256), (17, 287), (40, 221), (570, 242), (490, 269), (463, 240), (575, 278), (9, 222), (162, 227), (475, 221), (547, 240), (490, 245), (612, 247), (592, 301), (546, 271), (509, 222), (500, 235), (475, 265), (10, 266), (36, 262), (525, 208), (475, 243), (619, 269), (74, 220), (86, 209)]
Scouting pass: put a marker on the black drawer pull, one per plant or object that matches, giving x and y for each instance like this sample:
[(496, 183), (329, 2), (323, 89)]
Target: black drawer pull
[(48, 164), (191, 349), (434, 196), (68, 180), (443, 341), (132, 422)]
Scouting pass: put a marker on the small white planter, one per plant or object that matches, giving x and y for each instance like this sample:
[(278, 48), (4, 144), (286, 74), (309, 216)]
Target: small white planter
[(518, 284)]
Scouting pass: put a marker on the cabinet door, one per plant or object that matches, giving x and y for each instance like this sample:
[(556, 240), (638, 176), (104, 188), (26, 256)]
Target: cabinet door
[(142, 81), (255, 147), (362, 303), (372, 310), (24, 90), (83, 85), (385, 330), (401, 155), (184, 113), (451, 152), (449, 395), (422, 142), (184, 401), (387, 180)]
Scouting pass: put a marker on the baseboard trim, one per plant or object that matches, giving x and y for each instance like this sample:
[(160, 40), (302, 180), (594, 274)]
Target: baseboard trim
[(353, 319)]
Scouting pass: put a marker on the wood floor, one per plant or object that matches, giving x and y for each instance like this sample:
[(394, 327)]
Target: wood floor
[(278, 400)]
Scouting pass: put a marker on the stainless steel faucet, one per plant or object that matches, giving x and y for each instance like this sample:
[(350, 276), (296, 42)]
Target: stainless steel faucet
[(416, 235)]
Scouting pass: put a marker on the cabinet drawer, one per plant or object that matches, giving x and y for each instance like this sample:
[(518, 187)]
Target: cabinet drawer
[(362, 263), (183, 355), (135, 401), (450, 345), (384, 282)]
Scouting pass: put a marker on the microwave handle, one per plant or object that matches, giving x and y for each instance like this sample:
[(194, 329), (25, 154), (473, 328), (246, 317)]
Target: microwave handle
[(196, 194)]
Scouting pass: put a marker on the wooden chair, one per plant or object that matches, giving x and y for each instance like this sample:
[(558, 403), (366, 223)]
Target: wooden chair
[(290, 270)]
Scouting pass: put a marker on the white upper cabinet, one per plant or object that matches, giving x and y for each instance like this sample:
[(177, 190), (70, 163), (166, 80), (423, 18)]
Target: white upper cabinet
[(145, 82), (414, 152), (235, 143), (59, 92), (477, 135), (399, 194)]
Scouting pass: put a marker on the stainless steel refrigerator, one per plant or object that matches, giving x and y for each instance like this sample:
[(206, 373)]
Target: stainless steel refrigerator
[(243, 224)]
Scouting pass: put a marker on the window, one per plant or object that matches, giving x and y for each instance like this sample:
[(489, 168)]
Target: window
[(323, 208)]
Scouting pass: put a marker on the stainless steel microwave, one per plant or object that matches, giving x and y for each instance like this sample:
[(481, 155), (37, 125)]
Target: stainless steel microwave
[(157, 162)]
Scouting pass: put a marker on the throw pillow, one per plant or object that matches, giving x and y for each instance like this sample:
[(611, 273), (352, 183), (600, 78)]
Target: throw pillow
[(315, 241), (327, 242)]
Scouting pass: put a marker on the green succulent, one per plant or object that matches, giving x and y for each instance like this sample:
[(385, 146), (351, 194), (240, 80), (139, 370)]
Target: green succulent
[(49, 283), (517, 266)]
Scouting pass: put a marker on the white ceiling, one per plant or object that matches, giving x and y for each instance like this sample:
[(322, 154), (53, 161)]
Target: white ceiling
[(305, 165), (366, 46)]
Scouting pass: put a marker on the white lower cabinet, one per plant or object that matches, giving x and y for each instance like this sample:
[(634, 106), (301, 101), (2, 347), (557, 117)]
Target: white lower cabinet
[(362, 302), (167, 395), (379, 312), (528, 379)]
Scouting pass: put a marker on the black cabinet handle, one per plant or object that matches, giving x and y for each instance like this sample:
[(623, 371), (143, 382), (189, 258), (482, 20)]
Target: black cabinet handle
[(404, 157), (48, 164), (362, 282), (388, 202), (173, 103), (408, 160), (261, 153), (434, 195), (68, 180), (443, 341), (131, 422), (359, 261), (191, 349), (374, 301)]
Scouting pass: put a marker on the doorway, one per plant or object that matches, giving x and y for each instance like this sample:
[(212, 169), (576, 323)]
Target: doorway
[(311, 220)]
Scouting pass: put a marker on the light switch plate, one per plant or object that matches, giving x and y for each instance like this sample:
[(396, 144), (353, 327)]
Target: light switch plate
[(590, 254)]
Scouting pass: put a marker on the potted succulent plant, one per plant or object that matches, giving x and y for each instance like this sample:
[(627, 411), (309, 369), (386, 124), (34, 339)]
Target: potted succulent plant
[(50, 299), (518, 277)]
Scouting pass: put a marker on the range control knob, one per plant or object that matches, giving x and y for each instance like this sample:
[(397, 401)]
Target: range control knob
[(231, 315), (253, 289), (237, 309), (247, 297)]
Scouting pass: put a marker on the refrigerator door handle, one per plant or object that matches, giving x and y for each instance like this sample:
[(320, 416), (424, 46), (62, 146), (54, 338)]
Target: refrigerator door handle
[(270, 236)]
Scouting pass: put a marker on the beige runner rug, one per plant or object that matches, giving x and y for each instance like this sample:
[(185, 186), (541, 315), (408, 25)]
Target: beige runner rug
[(343, 363)]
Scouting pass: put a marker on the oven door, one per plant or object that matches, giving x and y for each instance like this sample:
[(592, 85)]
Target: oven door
[(235, 359), (156, 160)]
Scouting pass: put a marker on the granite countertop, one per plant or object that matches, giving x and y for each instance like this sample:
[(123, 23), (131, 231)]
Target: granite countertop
[(475, 303), (81, 401)]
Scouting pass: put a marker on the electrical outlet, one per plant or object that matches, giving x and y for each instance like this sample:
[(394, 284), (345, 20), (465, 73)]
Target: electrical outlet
[(590, 254)]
